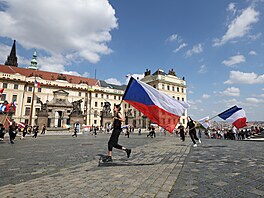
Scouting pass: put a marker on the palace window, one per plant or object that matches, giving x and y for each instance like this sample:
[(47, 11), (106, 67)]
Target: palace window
[(80, 93), (30, 88), (5, 85), (14, 98), (182, 90), (182, 99), (3, 97), (28, 99), (39, 89), (15, 86), (27, 112), (178, 89), (95, 104)]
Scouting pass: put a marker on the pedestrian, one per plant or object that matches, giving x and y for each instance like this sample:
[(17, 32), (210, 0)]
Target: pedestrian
[(43, 129), (139, 131), (113, 141), (182, 132), (35, 131), (12, 131), (75, 130), (2, 132), (95, 131), (127, 132), (24, 132), (192, 131)]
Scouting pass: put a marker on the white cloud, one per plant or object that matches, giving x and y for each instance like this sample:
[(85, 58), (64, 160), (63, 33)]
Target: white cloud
[(233, 60), (253, 53), (205, 96), (180, 47), (190, 92), (86, 74), (237, 77), (231, 7), (72, 28), (240, 26), (254, 100), (255, 36), (113, 81), (195, 50), (203, 69), (173, 37), (4, 52), (231, 91)]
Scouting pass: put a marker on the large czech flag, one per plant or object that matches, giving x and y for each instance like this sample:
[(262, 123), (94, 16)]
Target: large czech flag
[(236, 116), (160, 108)]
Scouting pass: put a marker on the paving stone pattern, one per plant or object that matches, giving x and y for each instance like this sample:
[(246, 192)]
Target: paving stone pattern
[(222, 168), (151, 172)]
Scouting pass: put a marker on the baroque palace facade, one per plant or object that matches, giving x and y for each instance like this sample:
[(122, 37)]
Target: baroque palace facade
[(62, 96)]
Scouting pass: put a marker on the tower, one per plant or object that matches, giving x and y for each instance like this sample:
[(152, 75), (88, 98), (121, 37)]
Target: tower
[(34, 63), (12, 58)]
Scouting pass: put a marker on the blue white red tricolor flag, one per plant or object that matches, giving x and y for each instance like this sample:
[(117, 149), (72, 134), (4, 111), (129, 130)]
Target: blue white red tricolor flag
[(236, 116), (37, 84), (160, 108)]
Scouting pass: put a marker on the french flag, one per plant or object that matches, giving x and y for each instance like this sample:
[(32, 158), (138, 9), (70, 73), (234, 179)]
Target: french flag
[(236, 116), (160, 108)]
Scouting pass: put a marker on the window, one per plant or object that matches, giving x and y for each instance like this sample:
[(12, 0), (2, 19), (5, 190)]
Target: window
[(183, 121), (178, 98), (173, 88), (107, 96), (27, 112), (168, 87), (114, 97), (80, 93), (102, 95), (39, 89), (182, 99), (95, 104), (36, 111), (119, 97), (178, 89), (95, 121), (173, 96), (163, 86), (182, 90), (14, 98), (102, 104), (30, 88), (95, 114), (3, 97), (28, 99), (15, 86), (5, 85), (96, 95)]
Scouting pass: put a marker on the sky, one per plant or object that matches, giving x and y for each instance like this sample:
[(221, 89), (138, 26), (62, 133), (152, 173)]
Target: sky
[(218, 46)]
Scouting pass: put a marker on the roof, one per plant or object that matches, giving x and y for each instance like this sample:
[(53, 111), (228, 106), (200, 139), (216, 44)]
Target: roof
[(48, 75), (113, 86)]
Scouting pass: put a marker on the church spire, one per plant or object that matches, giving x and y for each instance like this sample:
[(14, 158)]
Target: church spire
[(34, 63), (12, 58)]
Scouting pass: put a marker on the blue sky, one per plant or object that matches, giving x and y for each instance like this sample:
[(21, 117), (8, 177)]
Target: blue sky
[(217, 46)]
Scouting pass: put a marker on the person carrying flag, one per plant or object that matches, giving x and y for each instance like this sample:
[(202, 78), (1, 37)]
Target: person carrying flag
[(113, 141), (192, 131)]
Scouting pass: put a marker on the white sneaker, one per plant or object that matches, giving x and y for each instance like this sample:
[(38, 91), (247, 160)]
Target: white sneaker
[(195, 145), (200, 142)]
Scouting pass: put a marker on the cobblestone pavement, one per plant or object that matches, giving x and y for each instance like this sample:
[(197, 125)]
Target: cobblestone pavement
[(55, 166), (222, 168)]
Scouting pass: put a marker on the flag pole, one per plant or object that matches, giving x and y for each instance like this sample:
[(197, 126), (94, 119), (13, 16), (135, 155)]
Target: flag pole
[(32, 104)]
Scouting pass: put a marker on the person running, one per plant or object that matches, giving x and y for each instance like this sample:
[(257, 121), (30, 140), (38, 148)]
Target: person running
[(24, 132), (192, 131), (35, 131), (182, 133), (75, 130), (113, 141), (12, 131), (43, 129)]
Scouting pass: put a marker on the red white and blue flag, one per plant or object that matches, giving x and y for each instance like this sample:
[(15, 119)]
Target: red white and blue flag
[(37, 84), (1, 91), (236, 116), (160, 108)]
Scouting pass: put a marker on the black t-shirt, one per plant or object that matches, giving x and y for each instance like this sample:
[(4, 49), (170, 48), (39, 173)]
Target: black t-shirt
[(181, 129), (117, 121)]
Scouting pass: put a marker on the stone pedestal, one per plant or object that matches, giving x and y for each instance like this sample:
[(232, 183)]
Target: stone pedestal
[(76, 119), (42, 119)]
